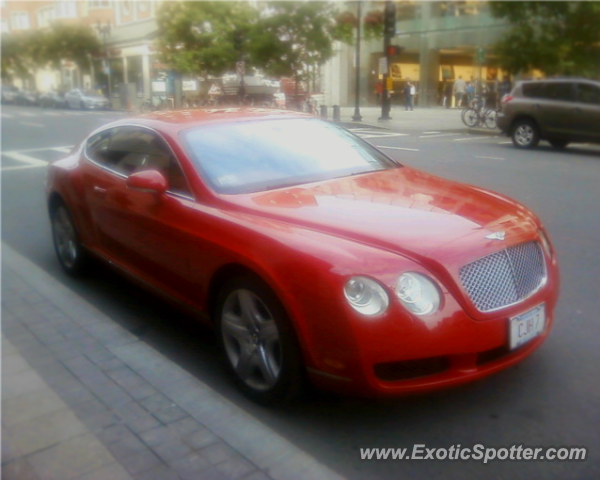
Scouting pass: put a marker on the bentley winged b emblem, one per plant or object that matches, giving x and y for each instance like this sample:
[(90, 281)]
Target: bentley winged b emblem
[(496, 235)]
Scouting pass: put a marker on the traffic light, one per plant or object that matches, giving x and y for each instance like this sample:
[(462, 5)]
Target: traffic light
[(389, 19), (394, 51)]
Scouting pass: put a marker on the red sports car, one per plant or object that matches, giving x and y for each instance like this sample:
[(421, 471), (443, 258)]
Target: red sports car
[(315, 256)]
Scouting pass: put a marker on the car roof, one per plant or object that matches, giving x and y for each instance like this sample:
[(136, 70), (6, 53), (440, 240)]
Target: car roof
[(178, 120)]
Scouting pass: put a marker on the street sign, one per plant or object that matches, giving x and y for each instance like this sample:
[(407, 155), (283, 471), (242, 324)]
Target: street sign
[(383, 68)]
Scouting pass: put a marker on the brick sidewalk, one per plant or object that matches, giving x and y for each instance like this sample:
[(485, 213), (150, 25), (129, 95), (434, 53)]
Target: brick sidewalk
[(84, 399)]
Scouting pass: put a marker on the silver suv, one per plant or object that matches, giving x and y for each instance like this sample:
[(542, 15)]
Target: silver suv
[(558, 110)]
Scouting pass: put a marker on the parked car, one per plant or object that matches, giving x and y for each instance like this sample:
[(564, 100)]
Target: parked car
[(27, 97), (558, 110), (85, 99), (312, 253), (53, 99), (9, 93)]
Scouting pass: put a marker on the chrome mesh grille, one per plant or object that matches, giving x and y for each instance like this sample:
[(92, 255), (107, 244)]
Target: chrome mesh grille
[(504, 277)]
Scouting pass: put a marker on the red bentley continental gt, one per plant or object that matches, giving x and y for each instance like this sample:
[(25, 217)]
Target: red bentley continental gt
[(314, 255)]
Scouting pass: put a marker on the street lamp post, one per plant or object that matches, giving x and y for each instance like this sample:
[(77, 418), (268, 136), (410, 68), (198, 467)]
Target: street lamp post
[(104, 31), (357, 117)]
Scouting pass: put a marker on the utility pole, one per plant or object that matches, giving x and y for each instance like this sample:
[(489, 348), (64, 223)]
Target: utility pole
[(357, 117), (389, 30), (104, 31), (238, 44)]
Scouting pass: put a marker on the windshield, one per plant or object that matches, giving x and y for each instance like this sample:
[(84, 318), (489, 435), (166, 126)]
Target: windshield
[(266, 154)]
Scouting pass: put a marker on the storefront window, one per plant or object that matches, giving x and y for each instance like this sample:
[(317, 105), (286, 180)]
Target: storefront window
[(116, 75), (135, 74)]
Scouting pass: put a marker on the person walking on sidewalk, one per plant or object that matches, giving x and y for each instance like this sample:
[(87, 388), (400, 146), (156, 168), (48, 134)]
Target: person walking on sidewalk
[(408, 95), (460, 88)]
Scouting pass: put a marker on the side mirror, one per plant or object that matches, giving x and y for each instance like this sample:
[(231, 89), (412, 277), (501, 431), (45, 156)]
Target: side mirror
[(149, 181)]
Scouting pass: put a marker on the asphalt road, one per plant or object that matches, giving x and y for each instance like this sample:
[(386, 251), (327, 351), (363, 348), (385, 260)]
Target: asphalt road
[(552, 399)]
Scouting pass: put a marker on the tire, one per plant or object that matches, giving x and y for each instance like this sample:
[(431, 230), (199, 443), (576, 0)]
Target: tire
[(258, 341), (470, 117), (72, 257), (525, 134), (558, 143), (490, 119)]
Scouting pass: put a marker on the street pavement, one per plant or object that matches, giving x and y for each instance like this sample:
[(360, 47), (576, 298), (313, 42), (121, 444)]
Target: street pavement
[(84, 399)]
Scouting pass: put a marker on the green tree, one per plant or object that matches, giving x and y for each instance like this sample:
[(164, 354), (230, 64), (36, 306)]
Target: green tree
[(198, 37), (559, 38), (293, 37), (24, 52)]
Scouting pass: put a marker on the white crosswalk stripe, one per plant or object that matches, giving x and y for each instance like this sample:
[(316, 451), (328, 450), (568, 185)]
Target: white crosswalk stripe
[(27, 158)]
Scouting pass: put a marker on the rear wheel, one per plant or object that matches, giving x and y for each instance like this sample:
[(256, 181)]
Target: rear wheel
[(490, 119), (470, 117), (71, 255), (258, 341), (525, 134)]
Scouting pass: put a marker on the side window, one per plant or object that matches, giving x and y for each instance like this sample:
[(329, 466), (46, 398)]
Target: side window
[(127, 150), (587, 93), (534, 90), (559, 91), (97, 147)]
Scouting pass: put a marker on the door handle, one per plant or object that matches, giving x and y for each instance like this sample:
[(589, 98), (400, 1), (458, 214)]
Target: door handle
[(99, 190)]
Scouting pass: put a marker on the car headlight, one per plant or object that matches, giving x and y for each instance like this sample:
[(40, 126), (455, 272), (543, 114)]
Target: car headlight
[(366, 296), (418, 293)]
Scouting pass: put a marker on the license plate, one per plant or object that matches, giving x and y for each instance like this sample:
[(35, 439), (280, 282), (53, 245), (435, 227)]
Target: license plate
[(527, 326)]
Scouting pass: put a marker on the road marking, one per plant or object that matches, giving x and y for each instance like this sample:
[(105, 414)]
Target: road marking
[(31, 124), (504, 143), (61, 149), (431, 132), (473, 137), (489, 158), (7, 115), (29, 150), (440, 135), (371, 133), (27, 114), (30, 162), (398, 148)]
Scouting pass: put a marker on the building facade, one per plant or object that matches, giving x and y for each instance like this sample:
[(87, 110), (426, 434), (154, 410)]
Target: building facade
[(439, 42)]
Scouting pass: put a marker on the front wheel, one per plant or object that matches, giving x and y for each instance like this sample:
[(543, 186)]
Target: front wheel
[(525, 134), (258, 341), (71, 255)]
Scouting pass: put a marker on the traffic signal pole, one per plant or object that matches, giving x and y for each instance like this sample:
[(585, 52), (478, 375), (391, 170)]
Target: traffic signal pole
[(389, 30)]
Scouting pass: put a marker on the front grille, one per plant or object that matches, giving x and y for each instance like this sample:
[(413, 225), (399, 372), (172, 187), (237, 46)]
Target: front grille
[(505, 277)]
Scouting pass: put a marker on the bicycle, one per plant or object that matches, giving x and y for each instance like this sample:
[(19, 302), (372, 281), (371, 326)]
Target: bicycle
[(483, 116), (149, 106)]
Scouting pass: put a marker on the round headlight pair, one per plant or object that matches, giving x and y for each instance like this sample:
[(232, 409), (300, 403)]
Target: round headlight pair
[(417, 293), (366, 296)]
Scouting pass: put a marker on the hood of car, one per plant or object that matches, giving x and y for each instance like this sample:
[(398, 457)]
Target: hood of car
[(402, 210)]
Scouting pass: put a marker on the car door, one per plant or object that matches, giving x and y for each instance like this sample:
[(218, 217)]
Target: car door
[(147, 233), (586, 111), (556, 109)]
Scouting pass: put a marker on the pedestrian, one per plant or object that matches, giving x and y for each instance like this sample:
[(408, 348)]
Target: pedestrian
[(413, 92), (448, 97), (460, 89), (470, 93), (407, 95)]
